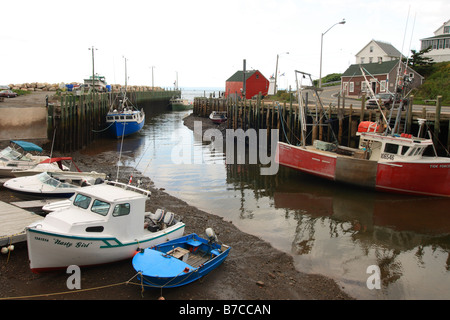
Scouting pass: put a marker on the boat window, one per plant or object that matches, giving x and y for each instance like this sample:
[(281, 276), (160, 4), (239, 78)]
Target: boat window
[(405, 150), (100, 207), (82, 201), (110, 118), (391, 148), (129, 117), (121, 209), (418, 151)]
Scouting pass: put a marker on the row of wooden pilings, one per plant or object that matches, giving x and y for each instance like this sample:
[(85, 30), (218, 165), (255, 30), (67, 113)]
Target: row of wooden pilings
[(77, 120), (333, 123)]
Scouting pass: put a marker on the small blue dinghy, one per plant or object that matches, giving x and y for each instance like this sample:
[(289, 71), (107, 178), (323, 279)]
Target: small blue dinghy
[(180, 261)]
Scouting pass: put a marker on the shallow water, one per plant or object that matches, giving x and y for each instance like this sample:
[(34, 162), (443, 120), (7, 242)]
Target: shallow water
[(329, 229)]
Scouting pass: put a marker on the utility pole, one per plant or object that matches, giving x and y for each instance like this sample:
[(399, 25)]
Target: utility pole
[(93, 74)]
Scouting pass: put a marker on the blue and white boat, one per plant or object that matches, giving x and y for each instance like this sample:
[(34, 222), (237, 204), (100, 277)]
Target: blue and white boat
[(179, 262), (125, 119)]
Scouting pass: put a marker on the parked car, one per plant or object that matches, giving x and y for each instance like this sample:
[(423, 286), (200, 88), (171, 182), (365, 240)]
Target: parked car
[(8, 94), (385, 99)]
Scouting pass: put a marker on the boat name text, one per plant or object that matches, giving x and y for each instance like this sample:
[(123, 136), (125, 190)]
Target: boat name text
[(435, 166), (69, 244)]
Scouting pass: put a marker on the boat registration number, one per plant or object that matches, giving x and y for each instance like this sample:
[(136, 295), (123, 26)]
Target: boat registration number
[(387, 156)]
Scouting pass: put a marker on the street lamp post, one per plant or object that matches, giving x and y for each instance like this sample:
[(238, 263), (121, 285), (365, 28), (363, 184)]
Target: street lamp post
[(321, 47), (276, 72)]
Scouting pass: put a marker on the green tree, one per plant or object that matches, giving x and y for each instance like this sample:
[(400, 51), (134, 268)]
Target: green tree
[(420, 63)]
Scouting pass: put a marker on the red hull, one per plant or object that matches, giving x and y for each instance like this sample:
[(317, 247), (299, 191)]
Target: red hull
[(416, 178)]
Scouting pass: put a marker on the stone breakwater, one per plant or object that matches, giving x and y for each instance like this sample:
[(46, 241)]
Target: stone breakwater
[(43, 86)]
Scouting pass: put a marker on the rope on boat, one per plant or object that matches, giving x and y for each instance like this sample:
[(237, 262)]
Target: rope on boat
[(104, 129)]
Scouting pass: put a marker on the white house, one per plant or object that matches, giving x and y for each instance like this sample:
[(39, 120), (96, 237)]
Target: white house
[(377, 52), (439, 43)]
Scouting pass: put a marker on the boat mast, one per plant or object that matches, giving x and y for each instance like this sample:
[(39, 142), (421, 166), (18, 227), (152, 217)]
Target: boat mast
[(318, 104), (301, 109), (372, 94)]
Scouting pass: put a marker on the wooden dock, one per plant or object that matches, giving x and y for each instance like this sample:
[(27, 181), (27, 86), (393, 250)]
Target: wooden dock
[(13, 221), (341, 119)]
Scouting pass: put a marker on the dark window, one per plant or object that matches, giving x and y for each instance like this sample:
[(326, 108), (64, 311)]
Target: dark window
[(391, 148)]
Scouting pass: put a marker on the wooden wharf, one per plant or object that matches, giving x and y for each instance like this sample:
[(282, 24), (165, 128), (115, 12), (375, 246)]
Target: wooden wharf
[(332, 122), (13, 221), (76, 120)]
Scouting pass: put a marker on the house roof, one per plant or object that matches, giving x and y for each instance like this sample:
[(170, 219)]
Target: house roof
[(441, 36), (372, 68), (388, 48), (239, 75), (443, 25)]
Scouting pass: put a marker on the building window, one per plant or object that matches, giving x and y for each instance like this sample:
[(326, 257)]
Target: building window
[(370, 59), (447, 29), (362, 60), (380, 59), (371, 49), (352, 87), (383, 85)]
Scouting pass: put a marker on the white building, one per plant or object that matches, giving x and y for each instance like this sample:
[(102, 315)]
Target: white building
[(439, 43), (377, 52)]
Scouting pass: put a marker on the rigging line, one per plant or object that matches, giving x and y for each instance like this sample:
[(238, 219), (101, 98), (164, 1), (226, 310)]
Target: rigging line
[(120, 154)]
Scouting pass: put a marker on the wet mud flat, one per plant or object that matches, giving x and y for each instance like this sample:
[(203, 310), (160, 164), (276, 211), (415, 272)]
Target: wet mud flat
[(254, 269)]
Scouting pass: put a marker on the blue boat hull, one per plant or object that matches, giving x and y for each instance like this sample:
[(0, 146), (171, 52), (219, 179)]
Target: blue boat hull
[(118, 130), (158, 268)]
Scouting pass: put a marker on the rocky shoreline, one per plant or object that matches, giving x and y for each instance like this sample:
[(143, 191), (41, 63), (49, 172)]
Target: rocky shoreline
[(254, 269)]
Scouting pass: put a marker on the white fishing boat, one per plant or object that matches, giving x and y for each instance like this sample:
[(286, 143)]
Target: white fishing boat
[(218, 116), (104, 223), (18, 156), (53, 184)]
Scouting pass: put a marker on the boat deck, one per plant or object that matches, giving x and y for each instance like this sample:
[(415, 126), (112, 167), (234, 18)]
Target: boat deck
[(193, 259), (197, 259)]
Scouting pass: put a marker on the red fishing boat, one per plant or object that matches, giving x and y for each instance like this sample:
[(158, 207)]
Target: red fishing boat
[(384, 160)]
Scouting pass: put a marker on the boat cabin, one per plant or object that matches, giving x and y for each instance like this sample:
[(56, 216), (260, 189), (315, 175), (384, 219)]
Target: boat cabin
[(125, 116), (385, 148), (111, 208)]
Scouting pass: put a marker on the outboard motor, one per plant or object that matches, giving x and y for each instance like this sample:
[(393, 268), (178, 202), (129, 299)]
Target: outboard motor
[(211, 235), (169, 217)]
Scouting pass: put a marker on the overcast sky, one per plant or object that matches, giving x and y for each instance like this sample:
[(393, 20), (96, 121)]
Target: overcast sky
[(204, 42)]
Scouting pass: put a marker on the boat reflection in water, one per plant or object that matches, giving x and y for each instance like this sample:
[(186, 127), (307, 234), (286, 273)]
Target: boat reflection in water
[(341, 231)]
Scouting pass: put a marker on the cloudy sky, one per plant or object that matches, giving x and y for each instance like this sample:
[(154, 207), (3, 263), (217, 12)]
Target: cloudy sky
[(203, 42)]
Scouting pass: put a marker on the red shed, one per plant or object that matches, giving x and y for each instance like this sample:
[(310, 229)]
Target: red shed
[(255, 83)]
